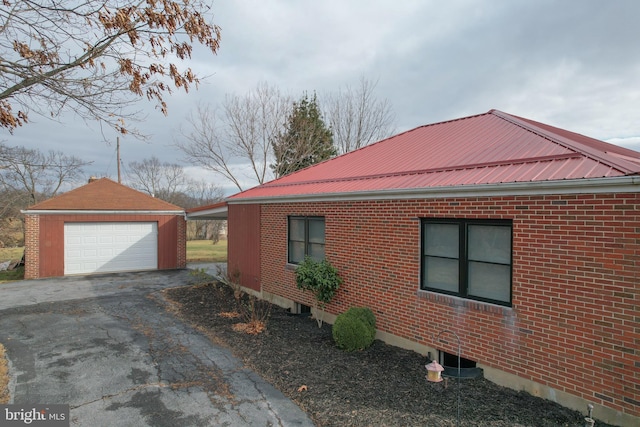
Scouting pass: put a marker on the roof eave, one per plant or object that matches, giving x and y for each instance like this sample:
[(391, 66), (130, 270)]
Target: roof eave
[(98, 212), (217, 213), (620, 184)]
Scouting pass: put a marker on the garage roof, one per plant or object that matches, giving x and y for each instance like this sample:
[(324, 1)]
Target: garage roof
[(104, 195), (489, 148)]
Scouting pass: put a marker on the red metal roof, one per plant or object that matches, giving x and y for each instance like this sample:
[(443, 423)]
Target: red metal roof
[(105, 195), (489, 148), (214, 211), (216, 205)]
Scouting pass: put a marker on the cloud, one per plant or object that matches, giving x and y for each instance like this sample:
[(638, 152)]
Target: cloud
[(574, 65)]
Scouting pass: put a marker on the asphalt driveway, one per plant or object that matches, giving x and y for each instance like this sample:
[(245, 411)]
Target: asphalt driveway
[(107, 346)]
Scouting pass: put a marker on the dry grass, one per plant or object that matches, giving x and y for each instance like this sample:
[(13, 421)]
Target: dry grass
[(251, 328), (4, 377), (230, 314), (13, 254), (206, 251)]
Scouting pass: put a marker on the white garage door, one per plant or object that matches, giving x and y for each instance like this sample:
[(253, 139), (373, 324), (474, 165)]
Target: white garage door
[(100, 247)]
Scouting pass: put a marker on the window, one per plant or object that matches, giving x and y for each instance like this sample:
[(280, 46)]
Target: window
[(306, 237), (468, 258)]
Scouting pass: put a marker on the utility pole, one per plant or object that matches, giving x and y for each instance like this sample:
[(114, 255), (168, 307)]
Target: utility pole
[(118, 156)]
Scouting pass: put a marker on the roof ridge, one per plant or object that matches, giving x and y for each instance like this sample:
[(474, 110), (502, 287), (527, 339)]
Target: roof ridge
[(576, 146), (565, 156), (372, 144)]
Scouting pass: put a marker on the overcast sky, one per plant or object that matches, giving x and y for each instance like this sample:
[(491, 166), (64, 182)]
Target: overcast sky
[(573, 64)]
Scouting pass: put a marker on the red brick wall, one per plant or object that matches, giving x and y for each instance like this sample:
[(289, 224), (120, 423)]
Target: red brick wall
[(575, 320), (48, 240), (31, 245), (182, 242)]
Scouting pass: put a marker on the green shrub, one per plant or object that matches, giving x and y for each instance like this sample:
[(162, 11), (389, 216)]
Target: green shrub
[(320, 278), (354, 329), (365, 314)]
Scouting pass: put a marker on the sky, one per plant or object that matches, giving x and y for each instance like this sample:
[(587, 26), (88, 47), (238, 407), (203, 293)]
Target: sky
[(573, 64)]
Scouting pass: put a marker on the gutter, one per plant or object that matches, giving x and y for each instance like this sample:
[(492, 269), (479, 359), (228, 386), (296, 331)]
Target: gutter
[(96, 212), (620, 184)]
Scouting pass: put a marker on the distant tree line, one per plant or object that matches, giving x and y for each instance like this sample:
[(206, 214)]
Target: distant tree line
[(169, 182), (29, 176)]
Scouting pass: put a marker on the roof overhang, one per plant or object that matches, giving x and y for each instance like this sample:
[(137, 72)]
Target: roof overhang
[(216, 211), (620, 184), (96, 212)]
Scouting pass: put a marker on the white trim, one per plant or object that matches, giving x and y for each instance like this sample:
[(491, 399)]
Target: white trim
[(622, 184), (89, 212), (215, 213)]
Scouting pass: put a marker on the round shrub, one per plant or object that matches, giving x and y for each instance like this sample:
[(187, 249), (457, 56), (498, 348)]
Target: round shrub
[(365, 314), (354, 329)]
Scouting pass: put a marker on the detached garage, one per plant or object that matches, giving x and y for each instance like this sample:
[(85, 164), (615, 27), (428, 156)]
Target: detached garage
[(103, 227)]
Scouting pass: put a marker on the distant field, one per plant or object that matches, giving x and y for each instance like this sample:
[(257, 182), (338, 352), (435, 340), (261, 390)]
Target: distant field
[(13, 254), (206, 251)]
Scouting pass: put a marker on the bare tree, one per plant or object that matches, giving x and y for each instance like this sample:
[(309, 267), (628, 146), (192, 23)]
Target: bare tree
[(96, 57), (163, 180), (204, 193), (202, 145), (240, 134), (28, 176), (357, 118), (35, 174), (169, 182)]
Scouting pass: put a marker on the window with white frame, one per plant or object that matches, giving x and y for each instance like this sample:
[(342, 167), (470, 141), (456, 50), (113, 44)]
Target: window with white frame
[(306, 238), (467, 258)]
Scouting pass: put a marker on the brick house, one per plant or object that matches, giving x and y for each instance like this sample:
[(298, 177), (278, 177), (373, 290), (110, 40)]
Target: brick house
[(520, 237), (103, 227)]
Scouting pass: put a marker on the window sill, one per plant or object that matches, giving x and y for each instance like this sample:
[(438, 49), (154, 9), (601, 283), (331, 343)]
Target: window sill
[(454, 301), (290, 267)]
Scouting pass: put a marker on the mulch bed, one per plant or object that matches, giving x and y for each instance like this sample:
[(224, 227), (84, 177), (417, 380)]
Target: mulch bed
[(380, 386)]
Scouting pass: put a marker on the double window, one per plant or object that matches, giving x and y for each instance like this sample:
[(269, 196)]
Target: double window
[(306, 238), (467, 258)]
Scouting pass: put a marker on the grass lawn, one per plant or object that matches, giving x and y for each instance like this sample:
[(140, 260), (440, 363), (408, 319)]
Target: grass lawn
[(206, 251)]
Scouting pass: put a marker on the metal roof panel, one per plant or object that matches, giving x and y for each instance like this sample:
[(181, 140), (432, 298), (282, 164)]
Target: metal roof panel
[(489, 148)]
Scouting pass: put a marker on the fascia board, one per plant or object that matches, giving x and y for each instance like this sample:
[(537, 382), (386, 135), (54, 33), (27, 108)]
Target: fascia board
[(218, 213), (624, 184), (96, 212)]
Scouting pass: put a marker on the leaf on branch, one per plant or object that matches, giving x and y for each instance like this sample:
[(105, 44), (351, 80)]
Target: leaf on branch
[(121, 42)]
